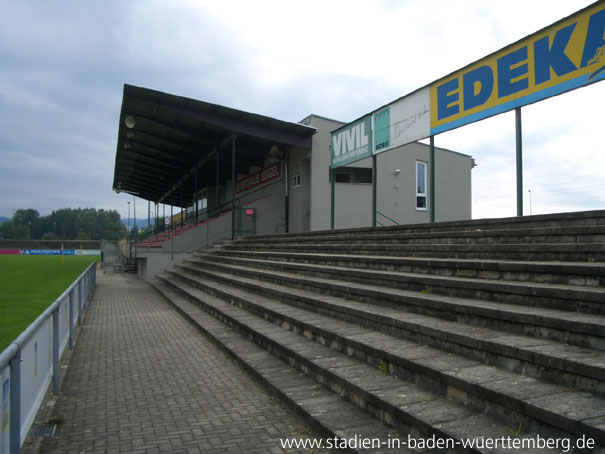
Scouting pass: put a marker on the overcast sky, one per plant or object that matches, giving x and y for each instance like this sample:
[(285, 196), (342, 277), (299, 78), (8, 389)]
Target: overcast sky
[(63, 65)]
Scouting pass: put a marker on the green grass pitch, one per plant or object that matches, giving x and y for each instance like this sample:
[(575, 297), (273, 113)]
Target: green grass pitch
[(29, 284)]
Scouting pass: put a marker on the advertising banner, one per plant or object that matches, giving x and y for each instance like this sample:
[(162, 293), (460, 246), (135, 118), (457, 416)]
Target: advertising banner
[(270, 173), (49, 252), (561, 57), (403, 121), (564, 56), (351, 142)]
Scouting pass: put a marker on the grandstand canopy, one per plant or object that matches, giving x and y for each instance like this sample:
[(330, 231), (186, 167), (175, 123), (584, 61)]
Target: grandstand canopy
[(167, 145)]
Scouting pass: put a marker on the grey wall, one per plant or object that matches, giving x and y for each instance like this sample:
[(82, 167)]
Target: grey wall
[(320, 170), (396, 192), (299, 198)]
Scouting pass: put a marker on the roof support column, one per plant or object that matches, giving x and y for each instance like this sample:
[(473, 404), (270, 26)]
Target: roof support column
[(195, 196), (233, 186), (374, 190), (432, 177), (171, 233), (332, 178), (287, 207), (217, 199), (519, 143)]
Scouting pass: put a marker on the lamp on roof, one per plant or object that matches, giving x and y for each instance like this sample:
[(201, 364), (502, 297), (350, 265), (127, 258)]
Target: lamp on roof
[(129, 122)]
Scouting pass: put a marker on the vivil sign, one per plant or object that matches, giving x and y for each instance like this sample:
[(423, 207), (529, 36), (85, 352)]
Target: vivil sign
[(566, 55), (352, 142)]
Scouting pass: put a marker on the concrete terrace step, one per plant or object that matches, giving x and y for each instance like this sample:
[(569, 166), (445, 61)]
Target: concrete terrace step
[(571, 298), (558, 220), (579, 234), (568, 365), (569, 273), (585, 330), (310, 400), (565, 252), (404, 405)]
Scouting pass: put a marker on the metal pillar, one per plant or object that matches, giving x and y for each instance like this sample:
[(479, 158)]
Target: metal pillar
[(217, 199), (148, 216), (71, 320), (374, 195), (182, 216), (195, 197), (432, 177), (332, 178), (287, 207), (233, 187), (519, 143), (56, 351), (15, 403), (80, 298)]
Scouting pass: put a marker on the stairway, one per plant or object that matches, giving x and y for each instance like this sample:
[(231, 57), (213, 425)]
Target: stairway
[(447, 331)]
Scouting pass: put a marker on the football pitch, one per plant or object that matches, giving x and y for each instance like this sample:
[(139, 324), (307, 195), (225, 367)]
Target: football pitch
[(29, 284)]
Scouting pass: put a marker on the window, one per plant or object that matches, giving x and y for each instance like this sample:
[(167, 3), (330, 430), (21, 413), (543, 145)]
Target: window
[(296, 181), (343, 177), (421, 185), (358, 175)]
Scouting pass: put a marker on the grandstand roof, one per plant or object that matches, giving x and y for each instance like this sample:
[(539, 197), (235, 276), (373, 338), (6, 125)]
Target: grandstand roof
[(166, 141)]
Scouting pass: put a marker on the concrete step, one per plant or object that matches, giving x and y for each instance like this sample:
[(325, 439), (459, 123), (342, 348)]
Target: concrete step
[(556, 296), (318, 406), (581, 329), (564, 252), (558, 220), (570, 273), (542, 235), (406, 406), (580, 368)]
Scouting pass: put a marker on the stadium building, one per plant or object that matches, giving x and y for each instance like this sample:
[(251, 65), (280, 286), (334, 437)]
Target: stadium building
[(214, 173)]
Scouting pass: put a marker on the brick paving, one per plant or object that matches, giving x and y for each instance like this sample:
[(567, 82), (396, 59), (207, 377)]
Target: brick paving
[(143, 380)]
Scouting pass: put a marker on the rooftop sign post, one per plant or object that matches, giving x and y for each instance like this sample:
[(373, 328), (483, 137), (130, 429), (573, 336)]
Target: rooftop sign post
[(566, 55)]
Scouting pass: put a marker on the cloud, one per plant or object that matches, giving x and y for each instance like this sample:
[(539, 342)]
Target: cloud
[(64, 65)]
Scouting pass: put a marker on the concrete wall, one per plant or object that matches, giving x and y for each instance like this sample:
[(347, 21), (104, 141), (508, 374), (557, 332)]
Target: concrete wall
[(299, 197), (320, 170), (397, 190), (150, 264)]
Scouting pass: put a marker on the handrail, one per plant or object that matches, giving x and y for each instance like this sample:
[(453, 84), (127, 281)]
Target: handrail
[(11, 357), (385, 216)]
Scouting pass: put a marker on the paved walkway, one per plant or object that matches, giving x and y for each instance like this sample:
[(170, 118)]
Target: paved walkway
[(143, 380)]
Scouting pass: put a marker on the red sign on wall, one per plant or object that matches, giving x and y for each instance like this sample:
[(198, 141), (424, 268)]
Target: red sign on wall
[(273, 172)]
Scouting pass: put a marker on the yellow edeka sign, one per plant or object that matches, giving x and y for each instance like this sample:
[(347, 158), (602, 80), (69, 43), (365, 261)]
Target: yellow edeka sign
[(566, 55)]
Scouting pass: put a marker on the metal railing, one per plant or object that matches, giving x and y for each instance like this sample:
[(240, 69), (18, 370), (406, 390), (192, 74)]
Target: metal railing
[(386, 217), (31, 361)]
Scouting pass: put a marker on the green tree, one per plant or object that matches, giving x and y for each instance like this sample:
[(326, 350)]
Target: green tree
[(65, 224)]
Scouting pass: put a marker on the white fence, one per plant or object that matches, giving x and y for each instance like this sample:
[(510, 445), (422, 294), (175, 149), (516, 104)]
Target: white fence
[(31, 362)]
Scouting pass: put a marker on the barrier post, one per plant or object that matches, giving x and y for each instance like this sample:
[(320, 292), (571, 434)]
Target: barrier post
[(15, 403), (56, 346), (80, 302), (71, 320)]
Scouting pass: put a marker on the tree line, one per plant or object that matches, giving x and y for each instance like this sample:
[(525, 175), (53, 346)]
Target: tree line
[(64, 224)]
